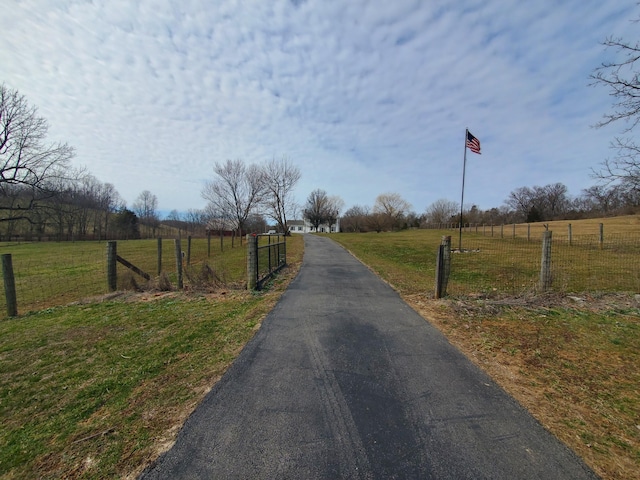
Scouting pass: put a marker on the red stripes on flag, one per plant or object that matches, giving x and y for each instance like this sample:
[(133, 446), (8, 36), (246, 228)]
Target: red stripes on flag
[(473, 143)]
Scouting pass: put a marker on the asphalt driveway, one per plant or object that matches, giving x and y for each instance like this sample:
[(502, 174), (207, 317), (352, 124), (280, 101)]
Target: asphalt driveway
[(345, 380)]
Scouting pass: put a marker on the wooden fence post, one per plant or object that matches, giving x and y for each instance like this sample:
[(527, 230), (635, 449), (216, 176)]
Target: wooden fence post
[(570, 235), (208, 243), (528, 232), (514, 230), (112, 266), (179, 263), (443, 266), (9, 285), (601, 236), (252, 262), (159, 255), (545, 265)]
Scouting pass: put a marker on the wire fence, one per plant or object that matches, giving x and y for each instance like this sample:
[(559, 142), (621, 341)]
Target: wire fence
[(47, 274), (579, 263)]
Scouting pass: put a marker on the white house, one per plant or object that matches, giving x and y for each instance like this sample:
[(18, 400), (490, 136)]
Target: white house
[(304, 226)]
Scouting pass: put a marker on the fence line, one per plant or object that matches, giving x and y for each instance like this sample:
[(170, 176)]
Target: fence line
[(59, 273), (50, 274), (519, 230), (577, 263)]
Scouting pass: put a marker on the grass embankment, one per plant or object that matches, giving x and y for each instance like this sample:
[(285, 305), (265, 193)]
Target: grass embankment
[(571, 361), (98, 390)]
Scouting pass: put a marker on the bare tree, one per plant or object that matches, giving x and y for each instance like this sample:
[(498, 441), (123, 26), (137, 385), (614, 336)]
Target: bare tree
[(539, 203), (145, 207), (86, 199), (316, 208), (256, 223), (603, 199), (109, 202), (280, 177), (441, 211), (556, 199), (355, 219), (236, 192), (624, 168), (26, 160), (378, 222), (334, 205), (196, 220), (174, 216), (393, 207), (622, 79), (521, 200), (174, 220)]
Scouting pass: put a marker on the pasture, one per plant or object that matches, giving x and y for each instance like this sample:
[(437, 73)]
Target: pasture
[(97, 389), (57, 273)]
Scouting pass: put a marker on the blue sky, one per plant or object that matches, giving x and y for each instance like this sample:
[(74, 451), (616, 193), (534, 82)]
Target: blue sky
[(365, 97)]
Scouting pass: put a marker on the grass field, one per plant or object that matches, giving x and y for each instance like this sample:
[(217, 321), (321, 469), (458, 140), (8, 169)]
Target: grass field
[(624, 224), (96, 390), (495, 265), (57, 273), (572, 360)]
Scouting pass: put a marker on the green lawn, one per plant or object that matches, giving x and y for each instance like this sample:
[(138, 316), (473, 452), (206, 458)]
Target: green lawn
[(57, 273), (494, 265), (97, 390)]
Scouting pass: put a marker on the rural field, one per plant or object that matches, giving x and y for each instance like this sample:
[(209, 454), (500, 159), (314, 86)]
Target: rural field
[(95, 389), (57, 273)]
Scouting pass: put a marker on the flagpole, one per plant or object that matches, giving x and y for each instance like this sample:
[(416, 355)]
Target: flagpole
[(464, 168)]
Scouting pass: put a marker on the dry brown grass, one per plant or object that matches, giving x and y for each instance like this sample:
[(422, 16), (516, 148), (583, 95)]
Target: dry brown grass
[(622, 225), (571, 363)]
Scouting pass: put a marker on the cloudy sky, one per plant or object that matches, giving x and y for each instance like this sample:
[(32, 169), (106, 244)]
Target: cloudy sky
[(365, 97)]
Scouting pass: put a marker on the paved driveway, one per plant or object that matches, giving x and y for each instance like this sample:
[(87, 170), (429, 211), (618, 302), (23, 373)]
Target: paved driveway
[(345, 380)]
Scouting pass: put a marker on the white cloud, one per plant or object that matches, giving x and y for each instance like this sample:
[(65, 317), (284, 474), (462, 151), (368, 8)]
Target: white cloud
[(367, 97)]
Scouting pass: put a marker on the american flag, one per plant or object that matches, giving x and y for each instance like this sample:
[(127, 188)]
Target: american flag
[(473, 143)]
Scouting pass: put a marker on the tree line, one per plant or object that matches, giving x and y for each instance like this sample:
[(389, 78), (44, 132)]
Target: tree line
[(43, 196), (523, 205), (39, 191)]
